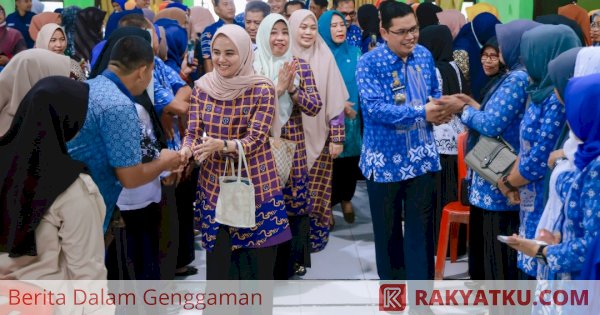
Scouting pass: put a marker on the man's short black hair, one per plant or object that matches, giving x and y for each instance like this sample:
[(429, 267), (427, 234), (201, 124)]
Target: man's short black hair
[(216, 2), (389, 10), (258, 6), (291, 3), (131, 53), (337, 2), (134, 20), (321, 3)]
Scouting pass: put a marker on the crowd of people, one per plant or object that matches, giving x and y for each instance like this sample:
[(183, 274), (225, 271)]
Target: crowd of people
[(117, 137)]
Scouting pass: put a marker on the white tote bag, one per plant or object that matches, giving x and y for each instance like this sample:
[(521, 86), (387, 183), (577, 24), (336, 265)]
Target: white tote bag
[(236, 205)]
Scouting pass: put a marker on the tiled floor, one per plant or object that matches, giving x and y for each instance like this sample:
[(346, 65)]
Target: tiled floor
[(350, 253)]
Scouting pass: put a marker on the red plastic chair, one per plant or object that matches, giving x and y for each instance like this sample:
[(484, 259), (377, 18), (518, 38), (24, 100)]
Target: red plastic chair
[(454, 213)]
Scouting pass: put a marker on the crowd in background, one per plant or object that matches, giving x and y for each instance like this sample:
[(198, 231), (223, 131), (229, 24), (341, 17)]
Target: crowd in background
[(116, 133)]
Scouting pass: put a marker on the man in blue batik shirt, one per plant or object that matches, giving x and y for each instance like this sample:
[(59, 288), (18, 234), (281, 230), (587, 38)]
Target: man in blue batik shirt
[(347, 8), (397, 82)]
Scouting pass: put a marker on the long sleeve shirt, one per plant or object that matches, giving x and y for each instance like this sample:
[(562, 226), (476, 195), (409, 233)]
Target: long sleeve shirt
[(501, 116), (398, 143)]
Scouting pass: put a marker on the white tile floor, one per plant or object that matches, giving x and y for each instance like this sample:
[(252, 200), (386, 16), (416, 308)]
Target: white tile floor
[(350, 255)]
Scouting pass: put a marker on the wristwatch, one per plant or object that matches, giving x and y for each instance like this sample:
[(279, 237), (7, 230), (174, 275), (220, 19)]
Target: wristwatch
[(540, 253), (507, 183)]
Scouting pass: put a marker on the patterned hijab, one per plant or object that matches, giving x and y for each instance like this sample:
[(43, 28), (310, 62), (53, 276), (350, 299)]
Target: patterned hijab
[(268, 65)]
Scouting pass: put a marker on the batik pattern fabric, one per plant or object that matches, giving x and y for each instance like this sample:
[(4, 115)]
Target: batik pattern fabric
[(540, 129), (398, 142), (247, 118), (320, 177), (354, 36), (501, 116), (581, 224), (295, 192)]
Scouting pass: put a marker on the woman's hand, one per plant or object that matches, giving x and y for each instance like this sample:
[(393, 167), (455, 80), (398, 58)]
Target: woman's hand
[(207, 148), (349, 110), (555, 156), (525, 246), (549, 237), (335, 149), (187, 69), (285, 78), (466, 99)]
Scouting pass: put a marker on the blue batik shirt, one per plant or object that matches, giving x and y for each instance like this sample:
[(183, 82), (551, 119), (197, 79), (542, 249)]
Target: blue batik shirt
[(581, 221), (110, 138), (501, 116), (540, 129), (354, 36), (398, 143), (166, 84)]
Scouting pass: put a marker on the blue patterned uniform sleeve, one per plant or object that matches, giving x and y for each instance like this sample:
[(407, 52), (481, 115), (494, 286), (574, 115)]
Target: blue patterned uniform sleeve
[(205, 44), (570, 255), (120, 131), (166, 84), (533, 166), (373, 101), (501, 109)]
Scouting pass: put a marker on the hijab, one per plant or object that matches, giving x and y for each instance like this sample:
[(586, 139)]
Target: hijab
[(178, 5), (482, 7), (173, 14), (35, 167), (176, 37), (509, 38), (471, 39), (39, 20), (200, 18), (539, 46), (23, 71), (427, 14), (346, 55), (330, 85), (268, 65), (562, 68), (588, 61), (453, 19), (113, 20), (495, 79), (88, 31), (121, 3), (582, 103), (45, 34), (438, 40), (556, 19), (227, 89), (69, 15), (104, 57), (579, 15), (368, 19)]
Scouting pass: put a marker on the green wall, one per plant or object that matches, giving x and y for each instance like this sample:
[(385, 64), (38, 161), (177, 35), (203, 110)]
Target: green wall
[(510, 10), (8, 5), (80, 3)]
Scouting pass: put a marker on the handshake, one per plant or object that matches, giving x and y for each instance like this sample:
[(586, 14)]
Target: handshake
[(173, 161), (440, 111)]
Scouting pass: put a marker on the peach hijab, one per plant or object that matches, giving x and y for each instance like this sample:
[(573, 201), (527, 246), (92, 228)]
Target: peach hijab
[(227, 89), (330, 85)]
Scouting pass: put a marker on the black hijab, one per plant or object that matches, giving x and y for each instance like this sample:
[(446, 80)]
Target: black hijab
[(368, 19), (88, 31), (427, 14), (438, 39), (555, 19), (144, 98), (493, 80), (34, 164)]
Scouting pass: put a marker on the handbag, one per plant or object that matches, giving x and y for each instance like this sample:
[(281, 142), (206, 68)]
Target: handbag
[(283, 152), (236, 205), (491, 158)]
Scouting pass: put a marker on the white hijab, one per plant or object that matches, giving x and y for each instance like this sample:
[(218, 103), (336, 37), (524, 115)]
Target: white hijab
[(265, 63)]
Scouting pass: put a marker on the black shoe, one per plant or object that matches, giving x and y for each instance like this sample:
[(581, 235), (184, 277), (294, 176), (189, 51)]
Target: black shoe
[(299, 270), (189, 271)]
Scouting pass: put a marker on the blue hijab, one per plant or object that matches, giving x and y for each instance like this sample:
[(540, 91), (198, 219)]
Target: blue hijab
[(539, 46), (562, 68), (509, 39), (113, 20), (346, 55), (582, 102), (178, 5), (471, 38), (121, 3), (176, 41)]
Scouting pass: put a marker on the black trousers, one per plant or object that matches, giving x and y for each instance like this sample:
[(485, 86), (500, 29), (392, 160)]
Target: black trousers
[(134, 254), (294, 251), (490, 259), (345, 175), (185, 195), (407, 255)]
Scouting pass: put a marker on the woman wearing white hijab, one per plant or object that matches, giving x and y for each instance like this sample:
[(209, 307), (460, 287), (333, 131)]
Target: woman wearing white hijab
[(53, 37), (297, 93)]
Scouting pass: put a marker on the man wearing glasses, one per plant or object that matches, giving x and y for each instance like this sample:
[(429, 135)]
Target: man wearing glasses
[(397, 83), (347, 8)]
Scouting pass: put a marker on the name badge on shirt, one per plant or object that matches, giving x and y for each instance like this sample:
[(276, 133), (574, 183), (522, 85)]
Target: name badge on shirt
[(398, 89)]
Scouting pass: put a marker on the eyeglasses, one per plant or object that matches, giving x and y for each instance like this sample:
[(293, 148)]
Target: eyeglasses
[(403, 32), (350, 14), (493, 58), (595, 25)]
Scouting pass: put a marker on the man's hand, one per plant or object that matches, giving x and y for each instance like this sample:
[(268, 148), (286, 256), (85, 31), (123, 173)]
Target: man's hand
[(436, 114), (3, 60), (186, 68), (173, 160)]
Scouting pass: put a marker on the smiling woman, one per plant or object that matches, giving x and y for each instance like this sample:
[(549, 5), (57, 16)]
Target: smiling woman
[(52, 37)]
